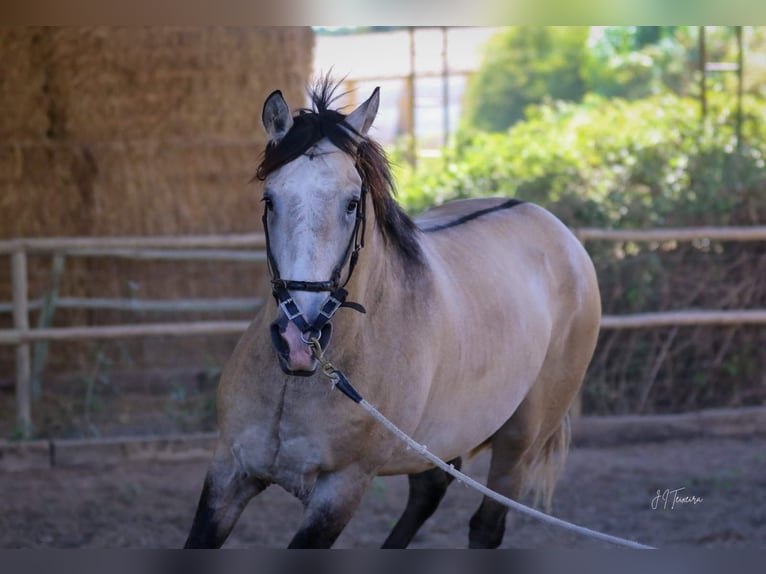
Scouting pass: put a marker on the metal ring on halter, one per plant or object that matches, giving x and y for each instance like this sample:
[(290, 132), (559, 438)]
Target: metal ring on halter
[(310, 339)]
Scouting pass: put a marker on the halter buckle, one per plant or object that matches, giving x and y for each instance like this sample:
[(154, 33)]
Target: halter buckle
[(334, 304), (286, 305)]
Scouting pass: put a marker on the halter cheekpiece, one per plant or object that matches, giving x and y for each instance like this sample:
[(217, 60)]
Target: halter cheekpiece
[(280, 287)]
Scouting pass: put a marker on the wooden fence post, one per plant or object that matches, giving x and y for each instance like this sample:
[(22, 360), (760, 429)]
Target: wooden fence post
[(44, 321), (21, 324)]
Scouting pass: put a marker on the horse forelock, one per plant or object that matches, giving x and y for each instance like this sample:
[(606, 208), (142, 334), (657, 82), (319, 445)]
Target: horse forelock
[(310, 126)]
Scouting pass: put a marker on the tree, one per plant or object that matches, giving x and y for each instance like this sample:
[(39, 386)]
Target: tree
[(523, 66), (635, 62)]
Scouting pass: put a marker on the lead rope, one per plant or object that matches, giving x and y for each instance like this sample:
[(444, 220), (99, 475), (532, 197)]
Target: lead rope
[(341, 382)]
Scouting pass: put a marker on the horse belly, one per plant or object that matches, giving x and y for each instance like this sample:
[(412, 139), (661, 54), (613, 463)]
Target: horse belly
[(457, 421)]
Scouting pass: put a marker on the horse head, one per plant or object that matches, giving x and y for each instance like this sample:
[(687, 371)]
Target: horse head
[(314, 218)]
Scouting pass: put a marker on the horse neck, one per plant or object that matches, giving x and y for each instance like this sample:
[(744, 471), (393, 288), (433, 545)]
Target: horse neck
[(380, 282)]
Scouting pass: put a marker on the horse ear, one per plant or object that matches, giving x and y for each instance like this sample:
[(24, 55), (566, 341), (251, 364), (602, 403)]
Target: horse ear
[(362, 117), (276, 116)]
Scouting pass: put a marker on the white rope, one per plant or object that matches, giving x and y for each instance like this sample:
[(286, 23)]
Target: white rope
[(420, 448)]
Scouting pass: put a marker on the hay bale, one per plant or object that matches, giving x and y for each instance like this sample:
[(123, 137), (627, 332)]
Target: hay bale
[(163, 83), (175, 189), (39, 192), (23, 97), (137, 131), (147, 188)]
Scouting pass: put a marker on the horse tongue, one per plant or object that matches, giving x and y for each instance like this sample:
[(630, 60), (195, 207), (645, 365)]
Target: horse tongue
[(301, 358)]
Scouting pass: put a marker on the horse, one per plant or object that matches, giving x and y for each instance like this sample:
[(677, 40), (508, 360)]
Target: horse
[(472, 327)]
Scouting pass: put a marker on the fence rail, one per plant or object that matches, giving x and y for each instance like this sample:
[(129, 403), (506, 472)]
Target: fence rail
[(232, 248), (750, 233), (175, 329), (73, 245), (685, 319), (145, 305)]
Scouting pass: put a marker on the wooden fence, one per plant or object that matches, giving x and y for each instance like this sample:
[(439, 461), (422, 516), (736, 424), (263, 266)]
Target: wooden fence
[(251, 247)]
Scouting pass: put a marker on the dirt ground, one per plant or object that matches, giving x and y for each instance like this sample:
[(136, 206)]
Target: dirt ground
[(151, 504)]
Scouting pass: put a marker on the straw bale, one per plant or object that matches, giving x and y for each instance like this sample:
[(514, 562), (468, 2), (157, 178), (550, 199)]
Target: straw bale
[(126, 152), (138, 131), (139, 189), (154, 188), (164, 83), (39, 193), (23, 98)]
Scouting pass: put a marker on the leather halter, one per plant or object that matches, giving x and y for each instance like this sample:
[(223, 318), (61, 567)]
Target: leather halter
[(280, 287)]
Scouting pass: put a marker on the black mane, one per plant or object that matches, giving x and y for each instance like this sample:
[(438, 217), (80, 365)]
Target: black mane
[(312, 125)]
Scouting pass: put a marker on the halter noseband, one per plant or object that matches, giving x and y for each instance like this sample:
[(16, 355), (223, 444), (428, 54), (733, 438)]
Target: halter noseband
[(280, 288)]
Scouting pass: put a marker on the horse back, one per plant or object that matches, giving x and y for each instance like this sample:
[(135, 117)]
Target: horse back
[(503, 248)]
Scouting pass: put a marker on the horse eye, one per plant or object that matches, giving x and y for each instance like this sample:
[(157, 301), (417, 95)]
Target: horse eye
[(352, 206), (267, 201)]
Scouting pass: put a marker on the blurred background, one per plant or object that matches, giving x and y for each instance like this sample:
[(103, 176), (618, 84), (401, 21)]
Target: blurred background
[(153, 132)]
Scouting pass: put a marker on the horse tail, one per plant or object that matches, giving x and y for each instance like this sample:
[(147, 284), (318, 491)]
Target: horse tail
[(544, 470)]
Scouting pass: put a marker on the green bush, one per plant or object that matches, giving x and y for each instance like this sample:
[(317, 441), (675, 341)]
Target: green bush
[(609, 163), (634, 62), (524, 66)]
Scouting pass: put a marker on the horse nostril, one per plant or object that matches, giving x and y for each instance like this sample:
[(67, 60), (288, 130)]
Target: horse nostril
[(277, 340)]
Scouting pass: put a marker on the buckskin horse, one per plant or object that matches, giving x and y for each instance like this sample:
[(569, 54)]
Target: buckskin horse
[(471, 326)]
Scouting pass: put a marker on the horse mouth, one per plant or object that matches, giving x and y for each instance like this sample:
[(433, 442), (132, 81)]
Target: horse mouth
[(297, 372), (295, 356)]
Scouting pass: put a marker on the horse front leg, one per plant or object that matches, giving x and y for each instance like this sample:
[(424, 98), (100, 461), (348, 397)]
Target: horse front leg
[(329, 507), (225, 493)]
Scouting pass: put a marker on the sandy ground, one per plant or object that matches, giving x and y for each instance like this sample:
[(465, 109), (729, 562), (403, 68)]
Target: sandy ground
[(151, 504)]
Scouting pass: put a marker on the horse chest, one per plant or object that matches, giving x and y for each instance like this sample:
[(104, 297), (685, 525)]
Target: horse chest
[(292, 460), (298, 439)]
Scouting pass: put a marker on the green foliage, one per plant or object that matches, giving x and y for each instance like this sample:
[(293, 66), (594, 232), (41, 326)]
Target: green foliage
[(524, 66), (608, 163), (631, 63), (755, 63), (624, 39)]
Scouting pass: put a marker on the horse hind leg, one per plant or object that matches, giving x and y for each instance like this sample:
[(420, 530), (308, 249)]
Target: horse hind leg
[(427, 489), (225, 493), (527, 454), (530, 449)]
